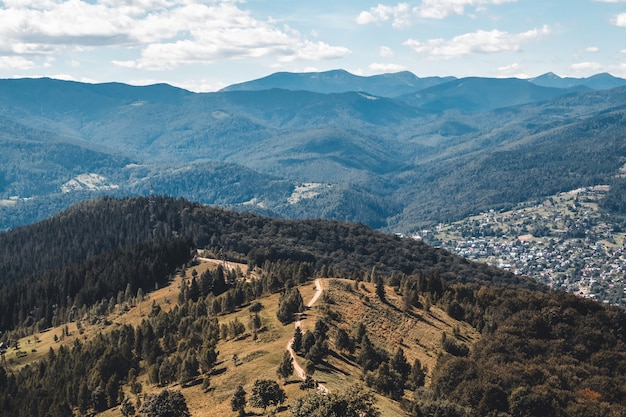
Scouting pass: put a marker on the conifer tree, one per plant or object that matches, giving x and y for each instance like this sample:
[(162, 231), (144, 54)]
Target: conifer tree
[(417, 376), (297, 340), (380, 286), (289, 304), (400, 364), (342, 340), (285, 369), (238, 401)]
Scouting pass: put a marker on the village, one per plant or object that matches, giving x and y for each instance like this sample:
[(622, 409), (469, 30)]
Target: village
[(564, 241)]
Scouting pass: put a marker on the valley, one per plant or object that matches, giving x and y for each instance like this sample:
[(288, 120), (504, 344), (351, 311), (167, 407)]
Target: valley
[(565, 242), (314, 145)]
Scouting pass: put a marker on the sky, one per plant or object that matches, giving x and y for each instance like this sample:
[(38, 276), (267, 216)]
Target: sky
[(207, 45)]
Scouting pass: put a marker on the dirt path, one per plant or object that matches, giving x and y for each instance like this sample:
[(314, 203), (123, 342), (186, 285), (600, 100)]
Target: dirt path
[(296, 367)]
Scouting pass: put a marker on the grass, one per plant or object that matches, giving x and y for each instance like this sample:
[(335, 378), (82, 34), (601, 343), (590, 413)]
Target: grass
[(419, 334)]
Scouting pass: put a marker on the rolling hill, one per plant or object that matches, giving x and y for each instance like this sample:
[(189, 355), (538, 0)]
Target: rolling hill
[(109, 307)]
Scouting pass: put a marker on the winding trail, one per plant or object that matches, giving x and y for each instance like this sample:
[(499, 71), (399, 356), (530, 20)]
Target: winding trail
[(296, 367)]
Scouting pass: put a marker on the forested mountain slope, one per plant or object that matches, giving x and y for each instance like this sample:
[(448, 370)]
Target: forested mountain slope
[(89, 234), (395, 164), (539, 352)]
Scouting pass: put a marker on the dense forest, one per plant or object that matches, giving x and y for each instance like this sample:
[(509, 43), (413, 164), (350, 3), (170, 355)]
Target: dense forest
[(59, 262), (542, 352), (395, 164)]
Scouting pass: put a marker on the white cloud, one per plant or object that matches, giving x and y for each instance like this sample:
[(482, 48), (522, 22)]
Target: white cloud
[(508, 69), (585, 66), (592, 49), (169, 33), (480, 42), (439, 9), (619, 20), (513, 70), (171, 55), (399, 15), (377, 67), (15, 62), (385, 52), (610, 1)]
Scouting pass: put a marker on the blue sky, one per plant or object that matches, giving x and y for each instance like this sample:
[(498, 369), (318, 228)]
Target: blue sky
[(203, 46)]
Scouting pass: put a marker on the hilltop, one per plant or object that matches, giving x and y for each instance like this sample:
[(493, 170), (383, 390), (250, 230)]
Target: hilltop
[(134, 310)]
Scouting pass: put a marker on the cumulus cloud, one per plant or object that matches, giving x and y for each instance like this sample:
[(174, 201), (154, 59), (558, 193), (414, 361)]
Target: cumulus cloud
[(513, 70), (169, 33), (401, 14), (585, 66), (480, 42), (439, 9), (165, 56), (15, 62), (619, 20)]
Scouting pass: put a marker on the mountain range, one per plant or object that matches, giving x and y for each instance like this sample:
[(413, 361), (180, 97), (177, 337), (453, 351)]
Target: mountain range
[(395, 151)]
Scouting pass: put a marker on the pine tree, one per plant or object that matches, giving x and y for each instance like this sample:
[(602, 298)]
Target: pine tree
[(380, 286), (127, 408), (400, 364), (342, 340), (238, 401), (417, 376), (320, 330), (289, 304), (308, 340), (285, 369), (297, 340), (188, 369)]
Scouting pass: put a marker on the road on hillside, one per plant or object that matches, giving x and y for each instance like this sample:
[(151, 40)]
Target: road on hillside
[(296, 367)]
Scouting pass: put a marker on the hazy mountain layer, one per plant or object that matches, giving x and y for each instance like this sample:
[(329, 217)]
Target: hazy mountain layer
[(440, 153)]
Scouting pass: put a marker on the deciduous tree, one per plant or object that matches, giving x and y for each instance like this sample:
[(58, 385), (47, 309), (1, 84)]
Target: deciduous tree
[(165, 404), (265, 393)]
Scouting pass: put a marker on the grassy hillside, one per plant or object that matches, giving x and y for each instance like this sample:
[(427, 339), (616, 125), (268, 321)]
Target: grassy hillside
[(421, 331), (418, 333)]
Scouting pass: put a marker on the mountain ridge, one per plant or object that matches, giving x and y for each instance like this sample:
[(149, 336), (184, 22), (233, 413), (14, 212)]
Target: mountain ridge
[(400, 83), (341, 81), (371, 158), (396, 300)]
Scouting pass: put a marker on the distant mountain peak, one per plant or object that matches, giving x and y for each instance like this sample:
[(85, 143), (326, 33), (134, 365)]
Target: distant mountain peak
[(548, 76), (601, 81), (341, 81)]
